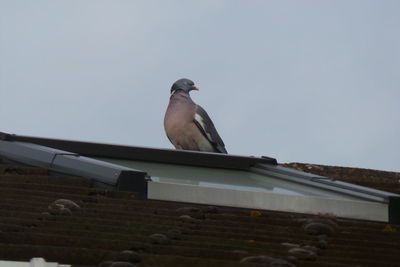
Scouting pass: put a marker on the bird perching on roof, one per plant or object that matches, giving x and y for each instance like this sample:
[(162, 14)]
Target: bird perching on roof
[(187, 124)]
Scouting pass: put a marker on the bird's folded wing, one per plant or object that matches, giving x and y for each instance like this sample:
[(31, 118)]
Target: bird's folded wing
[(206, 126)]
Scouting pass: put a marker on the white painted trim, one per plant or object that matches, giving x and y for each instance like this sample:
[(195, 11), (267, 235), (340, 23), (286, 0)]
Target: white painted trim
[(34, 262), (353, 209)]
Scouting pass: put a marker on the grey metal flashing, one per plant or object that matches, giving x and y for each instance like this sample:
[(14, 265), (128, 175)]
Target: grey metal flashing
[(341, 198), (31, 154), (362, 190), (353, 209), (394, 210), (288, 171), (171, 156), (103, 174), (323, 182), (134, 181)]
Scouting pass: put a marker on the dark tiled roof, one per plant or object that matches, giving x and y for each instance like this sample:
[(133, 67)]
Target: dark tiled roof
[(114, 226), (382, 180)]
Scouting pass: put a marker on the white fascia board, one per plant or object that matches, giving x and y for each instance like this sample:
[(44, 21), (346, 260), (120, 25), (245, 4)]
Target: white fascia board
[(352, 209)]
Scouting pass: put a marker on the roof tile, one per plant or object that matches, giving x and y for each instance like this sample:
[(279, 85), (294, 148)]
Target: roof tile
[(114, 226)]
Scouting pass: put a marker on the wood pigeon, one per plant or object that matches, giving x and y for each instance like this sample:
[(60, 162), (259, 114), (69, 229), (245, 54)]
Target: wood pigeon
[(188, 125)]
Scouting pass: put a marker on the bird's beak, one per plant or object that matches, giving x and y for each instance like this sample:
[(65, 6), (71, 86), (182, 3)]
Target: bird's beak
[(195, 88)]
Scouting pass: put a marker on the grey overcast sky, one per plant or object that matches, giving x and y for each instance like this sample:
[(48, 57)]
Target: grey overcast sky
[(305, 81)]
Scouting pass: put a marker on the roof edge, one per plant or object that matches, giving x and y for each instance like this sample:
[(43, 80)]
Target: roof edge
[(102, 174), (171, 156)]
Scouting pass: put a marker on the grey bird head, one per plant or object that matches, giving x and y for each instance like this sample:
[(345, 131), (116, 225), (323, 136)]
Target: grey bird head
[(185, 85)]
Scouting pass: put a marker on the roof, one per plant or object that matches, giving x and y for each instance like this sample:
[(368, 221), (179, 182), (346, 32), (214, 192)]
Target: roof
[(381, 180), (64, 219), (203, 178)]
